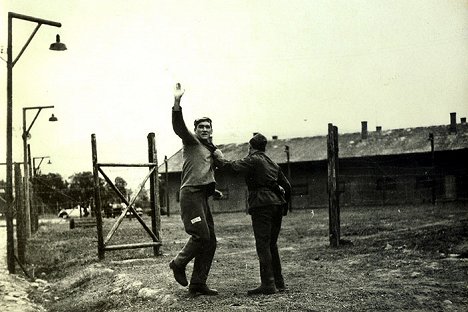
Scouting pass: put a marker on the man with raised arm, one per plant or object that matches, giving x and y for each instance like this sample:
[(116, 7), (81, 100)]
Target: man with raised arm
[(197, 184)]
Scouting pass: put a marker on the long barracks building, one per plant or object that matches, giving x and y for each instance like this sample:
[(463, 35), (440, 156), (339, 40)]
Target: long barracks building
[(391, 167)]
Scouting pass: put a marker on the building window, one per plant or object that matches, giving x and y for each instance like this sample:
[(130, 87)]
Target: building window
[(177, 196), (300, 189)]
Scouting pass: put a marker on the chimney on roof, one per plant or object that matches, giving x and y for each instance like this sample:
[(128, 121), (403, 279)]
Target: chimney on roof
[(363, 130), (275, 137), (378, 129), (463, 120), (453, 123)]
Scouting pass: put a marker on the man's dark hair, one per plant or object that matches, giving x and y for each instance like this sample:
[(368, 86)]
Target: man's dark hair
[(202, 119)]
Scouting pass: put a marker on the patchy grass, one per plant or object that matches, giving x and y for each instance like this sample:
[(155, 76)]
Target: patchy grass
[(396, 258)]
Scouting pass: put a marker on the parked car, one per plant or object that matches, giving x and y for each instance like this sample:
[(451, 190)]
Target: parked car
[(118, 208), (73, 212), (138, 210)]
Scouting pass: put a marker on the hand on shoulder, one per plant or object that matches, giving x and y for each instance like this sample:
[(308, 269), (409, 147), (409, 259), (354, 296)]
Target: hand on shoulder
[(218, 154)]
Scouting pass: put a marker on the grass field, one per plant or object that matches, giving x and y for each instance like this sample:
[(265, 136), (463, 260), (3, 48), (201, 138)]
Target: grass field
[(394, 259)]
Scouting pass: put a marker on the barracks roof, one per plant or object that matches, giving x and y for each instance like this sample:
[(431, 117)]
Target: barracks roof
[(351, 145)]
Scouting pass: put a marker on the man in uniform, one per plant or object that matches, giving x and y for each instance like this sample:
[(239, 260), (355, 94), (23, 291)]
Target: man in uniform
[(269, 194)]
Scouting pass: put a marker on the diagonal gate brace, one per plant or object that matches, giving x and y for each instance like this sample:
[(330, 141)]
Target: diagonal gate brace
[(129, 206)]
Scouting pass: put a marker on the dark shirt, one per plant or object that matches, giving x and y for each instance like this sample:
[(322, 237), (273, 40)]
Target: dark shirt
[(262, 176)]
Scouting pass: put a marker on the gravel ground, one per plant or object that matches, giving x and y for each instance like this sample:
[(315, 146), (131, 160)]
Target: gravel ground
[(391, 259)]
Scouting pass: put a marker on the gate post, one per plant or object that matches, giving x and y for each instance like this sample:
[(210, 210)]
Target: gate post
[(154, 191), (97, 201)]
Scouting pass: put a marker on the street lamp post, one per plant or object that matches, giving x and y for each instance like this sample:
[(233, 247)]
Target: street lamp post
[(36, 168), (26, 133), (9, 130)]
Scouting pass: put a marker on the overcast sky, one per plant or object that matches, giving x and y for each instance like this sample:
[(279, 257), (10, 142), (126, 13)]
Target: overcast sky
[(285, 68)]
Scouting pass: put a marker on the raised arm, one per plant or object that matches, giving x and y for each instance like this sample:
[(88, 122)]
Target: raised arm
[(178, 123), (178, 92)]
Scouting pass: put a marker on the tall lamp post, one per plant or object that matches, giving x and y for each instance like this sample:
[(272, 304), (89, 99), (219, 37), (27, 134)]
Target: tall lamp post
[(36, 168), (9, 150), (26, 134)]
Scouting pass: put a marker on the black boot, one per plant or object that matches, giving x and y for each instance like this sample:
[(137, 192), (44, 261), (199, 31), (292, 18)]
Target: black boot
[(280, 286), (267, 286), (262, 290), (179, 273), (201, 289), (279, 282)]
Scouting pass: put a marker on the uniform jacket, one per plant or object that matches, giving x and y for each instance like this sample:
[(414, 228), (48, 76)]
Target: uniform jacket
[(262, 177)]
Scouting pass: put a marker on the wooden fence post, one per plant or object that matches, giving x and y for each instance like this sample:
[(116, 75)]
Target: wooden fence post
[(433, 185), (34, 213), (154, 191), (97, 197), (20, 221), (166, 189), (333, 193)]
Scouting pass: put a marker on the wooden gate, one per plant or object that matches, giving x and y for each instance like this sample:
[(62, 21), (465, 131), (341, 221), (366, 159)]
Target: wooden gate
[(103, 245)]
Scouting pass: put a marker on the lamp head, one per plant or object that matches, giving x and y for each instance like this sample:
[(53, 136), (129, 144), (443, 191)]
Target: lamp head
[(53, 118), (57, 45)]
